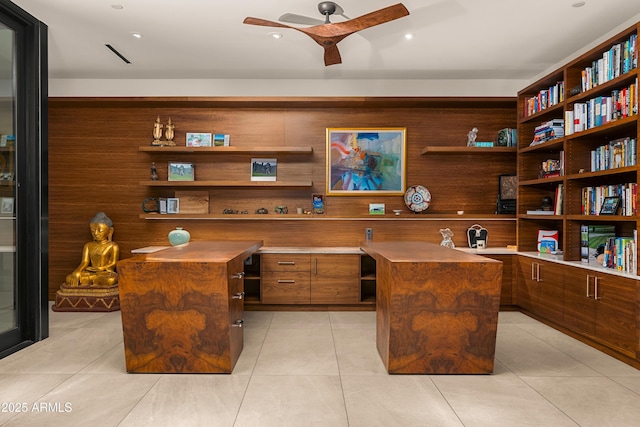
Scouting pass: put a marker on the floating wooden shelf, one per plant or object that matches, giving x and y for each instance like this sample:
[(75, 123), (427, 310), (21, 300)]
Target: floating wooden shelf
[(227, 150), (227, 183), (467, 150)]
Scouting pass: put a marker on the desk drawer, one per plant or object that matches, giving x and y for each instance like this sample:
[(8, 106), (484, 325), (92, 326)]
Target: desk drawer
[(286, 288), (286, 262)]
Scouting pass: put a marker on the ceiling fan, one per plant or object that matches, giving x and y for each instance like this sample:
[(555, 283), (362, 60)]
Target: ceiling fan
[(328, 34)]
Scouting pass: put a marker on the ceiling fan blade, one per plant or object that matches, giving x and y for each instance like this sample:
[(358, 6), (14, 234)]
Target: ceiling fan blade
[(372, 19), (300, 19), (264, 23), (332, 55)]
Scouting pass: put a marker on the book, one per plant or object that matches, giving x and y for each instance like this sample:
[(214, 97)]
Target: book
[(593, 239), (540, 212), (547, 241)]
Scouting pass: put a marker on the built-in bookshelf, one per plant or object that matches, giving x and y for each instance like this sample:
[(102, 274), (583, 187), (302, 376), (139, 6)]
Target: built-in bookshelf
[(577, 145)]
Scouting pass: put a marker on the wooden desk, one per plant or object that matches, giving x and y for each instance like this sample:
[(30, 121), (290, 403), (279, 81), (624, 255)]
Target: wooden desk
[(182, 307), (436, 308)]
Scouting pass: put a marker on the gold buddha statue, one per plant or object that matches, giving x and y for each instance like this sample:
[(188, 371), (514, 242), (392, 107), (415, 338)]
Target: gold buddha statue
[(99, 257)]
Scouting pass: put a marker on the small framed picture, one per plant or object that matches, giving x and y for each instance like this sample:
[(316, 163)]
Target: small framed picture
[(610, 205), (220, 140), (173, 205), (6, 205), (198, 140), (376, 208), (263, 169), (179, 171)]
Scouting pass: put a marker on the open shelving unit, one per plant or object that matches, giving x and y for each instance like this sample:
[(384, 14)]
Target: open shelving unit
[(576, 148)]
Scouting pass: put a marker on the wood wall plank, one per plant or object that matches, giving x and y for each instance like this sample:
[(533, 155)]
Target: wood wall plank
[(95, 165)]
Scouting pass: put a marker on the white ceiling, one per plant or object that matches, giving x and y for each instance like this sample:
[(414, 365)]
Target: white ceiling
[(206, 39)]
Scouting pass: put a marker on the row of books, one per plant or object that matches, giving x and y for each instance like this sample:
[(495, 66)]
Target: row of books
[(552, 168), (618, 153), (593, 199), (618, 60), (620, 254), (547, 131), (599, 244), (544, 99), (602, 109)]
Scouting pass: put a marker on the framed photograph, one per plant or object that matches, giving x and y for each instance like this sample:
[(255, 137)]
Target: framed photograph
[(508, 187), (376, 208), (173, 205), (179, 171), (263, 169), (364, 161), (610, 205), (220, 140), (198, 140), (6, 205)]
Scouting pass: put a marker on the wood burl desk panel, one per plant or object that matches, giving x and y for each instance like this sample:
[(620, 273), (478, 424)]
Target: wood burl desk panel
[(182, 307), (436, 308)]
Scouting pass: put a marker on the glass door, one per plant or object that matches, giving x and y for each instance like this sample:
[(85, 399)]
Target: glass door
[(8, 294), (24, 304)]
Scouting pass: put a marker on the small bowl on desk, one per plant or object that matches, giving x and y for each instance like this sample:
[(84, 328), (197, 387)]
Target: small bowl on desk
[(397, 212), (460, 212)]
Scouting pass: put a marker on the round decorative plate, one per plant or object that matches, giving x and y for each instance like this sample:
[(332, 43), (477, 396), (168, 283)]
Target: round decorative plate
[(417, 198)]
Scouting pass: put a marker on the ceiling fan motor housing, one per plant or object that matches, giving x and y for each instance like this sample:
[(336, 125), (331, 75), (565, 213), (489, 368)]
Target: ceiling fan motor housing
[(327, 8)]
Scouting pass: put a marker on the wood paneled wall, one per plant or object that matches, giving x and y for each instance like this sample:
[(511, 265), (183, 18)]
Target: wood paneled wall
[(95, 165)]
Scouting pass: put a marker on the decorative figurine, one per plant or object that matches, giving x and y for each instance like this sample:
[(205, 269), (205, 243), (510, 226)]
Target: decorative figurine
[(547, 203), (93, 285), (154, 172), (473, 134), (168, 133), (262, 211), (157, 132), (447, 234)]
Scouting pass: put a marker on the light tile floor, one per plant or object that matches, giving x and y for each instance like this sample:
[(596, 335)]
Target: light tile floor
[(314, 369)]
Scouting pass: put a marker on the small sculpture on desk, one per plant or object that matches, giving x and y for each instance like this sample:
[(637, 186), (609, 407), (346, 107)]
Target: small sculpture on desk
[(547, 203), (169, 133), (157, 132), (447, 234), (93, 285), (472, 136)]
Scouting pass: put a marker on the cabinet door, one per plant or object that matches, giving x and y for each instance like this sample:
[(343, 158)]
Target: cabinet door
[(527, 286), (551, 282), (335, 279), (579, 304), (540, 285), (616, 312)]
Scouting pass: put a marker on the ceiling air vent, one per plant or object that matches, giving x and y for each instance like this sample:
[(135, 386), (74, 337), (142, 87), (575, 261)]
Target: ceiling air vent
[(118, 54)]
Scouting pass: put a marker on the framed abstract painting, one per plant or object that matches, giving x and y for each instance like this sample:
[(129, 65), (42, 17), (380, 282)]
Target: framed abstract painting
[(366, 161)]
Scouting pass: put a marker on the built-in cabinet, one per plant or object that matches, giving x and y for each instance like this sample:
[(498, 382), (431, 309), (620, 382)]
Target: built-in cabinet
[(603, 307), (540, 285), (309, 278)]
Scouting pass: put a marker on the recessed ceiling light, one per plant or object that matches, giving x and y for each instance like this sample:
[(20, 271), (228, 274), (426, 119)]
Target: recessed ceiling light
[(136, 35), (275, 35), (117, 6), (408, 36), (579, 4)]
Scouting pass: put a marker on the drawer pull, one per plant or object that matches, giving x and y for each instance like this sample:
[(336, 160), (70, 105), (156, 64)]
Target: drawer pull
[(238, 323), (286, 263), (239, 295), (239, 275), (286, 281)]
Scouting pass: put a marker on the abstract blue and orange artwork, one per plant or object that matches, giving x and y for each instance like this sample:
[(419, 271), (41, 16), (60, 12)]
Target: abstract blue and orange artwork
[(364, 161)]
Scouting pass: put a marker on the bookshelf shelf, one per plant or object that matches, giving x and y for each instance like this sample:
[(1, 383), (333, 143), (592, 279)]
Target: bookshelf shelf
[(467, 150)]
